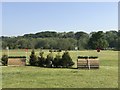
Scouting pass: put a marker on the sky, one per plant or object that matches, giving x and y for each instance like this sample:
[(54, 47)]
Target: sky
[(32, 17)]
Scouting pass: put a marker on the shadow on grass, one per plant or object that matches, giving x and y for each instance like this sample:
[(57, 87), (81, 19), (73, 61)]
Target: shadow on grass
[(75, 68)]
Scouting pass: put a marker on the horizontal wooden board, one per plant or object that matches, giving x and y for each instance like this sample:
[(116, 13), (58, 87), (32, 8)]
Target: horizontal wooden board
[(86, 63)]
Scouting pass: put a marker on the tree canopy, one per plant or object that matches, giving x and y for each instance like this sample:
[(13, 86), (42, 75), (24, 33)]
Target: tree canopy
[(63, 40)]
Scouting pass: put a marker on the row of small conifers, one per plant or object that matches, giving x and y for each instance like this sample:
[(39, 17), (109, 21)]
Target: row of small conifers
[(63, 60), (59, 61)]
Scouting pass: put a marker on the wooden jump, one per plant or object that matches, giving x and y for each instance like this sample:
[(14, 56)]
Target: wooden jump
[(87, 62), (16, 61)]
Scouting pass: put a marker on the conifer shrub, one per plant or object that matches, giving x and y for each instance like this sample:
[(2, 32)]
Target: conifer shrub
[(4, 60), (66, 60), (49, 60), (33, 59), (56, 61), (41, 59)]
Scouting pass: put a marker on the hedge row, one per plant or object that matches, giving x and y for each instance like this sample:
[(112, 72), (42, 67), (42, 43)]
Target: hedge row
[(59, 61)]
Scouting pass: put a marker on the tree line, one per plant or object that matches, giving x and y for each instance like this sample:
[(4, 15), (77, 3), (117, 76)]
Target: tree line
[(64, 40)]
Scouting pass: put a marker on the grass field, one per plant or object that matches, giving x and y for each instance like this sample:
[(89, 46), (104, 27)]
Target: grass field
[(36, 77)]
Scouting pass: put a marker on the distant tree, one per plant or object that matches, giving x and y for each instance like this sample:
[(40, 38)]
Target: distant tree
[(70, 35), (66, 44), (62, 40), (22, 43), (46, 34), (78, 35), (118, 47), (33, 42), (33, 59), (97, 40), (112, 38), (4, 44), (66, 60), (82, 40), (4, 60), (9, 41)]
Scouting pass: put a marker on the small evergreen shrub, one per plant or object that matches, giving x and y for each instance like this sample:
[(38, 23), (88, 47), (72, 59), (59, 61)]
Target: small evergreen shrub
[(41, 59), (66, 60), (4, 60), (33, 59), (49, 60), (56, 61)]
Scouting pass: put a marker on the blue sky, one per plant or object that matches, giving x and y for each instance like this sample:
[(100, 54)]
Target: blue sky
[(31, 17)]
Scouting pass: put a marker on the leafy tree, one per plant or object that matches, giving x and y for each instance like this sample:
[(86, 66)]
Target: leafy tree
[(46, 34), (82, 40), (78, 35), (63, 40), (66, 60), (22, 43), (4, 60), (66, 44), (97, 40), (70, 35), (112, 38), (4, 44), (118, 47), (33, 59)]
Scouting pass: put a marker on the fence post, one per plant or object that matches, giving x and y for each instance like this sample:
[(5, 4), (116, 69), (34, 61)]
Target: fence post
[(88, 63)]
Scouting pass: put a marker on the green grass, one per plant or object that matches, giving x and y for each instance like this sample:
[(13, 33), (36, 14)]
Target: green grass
[(36, 77)]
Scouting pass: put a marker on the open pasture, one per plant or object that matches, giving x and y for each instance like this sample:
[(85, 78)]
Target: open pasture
[(37, 77)]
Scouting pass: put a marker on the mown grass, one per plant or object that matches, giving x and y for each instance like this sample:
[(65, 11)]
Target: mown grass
[(36, 77)]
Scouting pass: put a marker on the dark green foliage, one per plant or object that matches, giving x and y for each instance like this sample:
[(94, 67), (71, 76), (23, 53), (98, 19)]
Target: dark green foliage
[(82, 40), (86, 57), (17, 56), (4, 60), (66, 60), (49, 60), (41, 59), (33, 59), (112, 38), (56, 61), (46, 34), (51, 50), (118, 47), (98, 40), (63, 40)]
